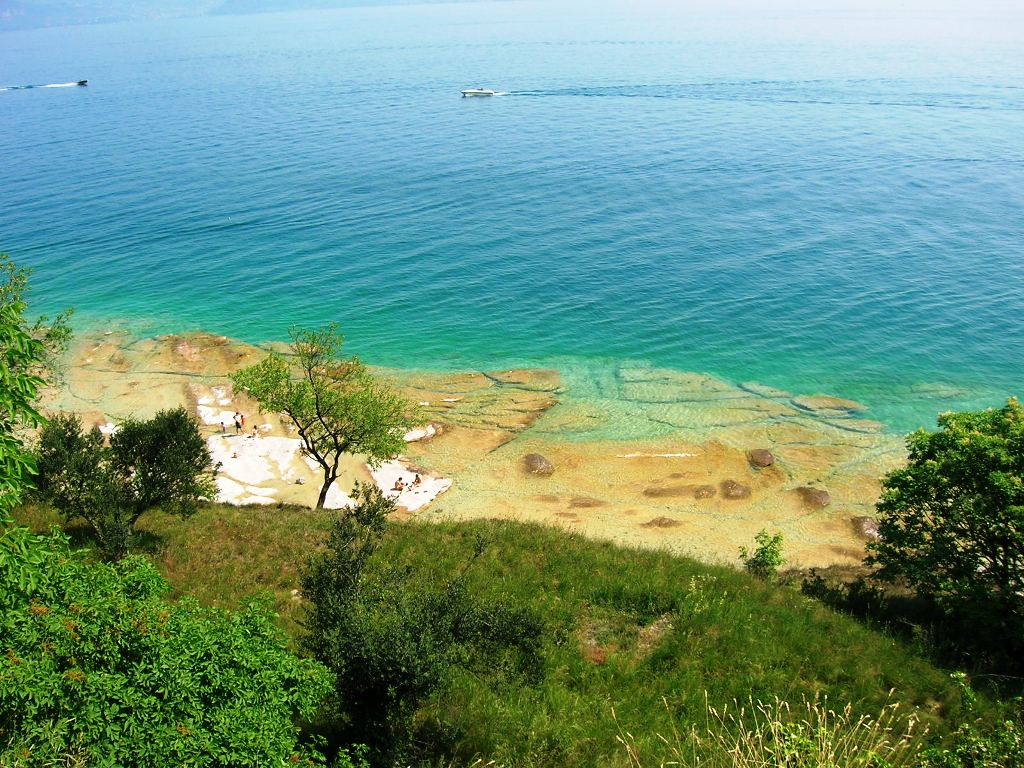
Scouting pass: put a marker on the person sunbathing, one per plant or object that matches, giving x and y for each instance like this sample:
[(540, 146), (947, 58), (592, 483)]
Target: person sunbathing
[(417, 480), (399, 485)]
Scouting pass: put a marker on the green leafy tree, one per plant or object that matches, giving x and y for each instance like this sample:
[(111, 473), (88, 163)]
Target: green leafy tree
[(335, 404), (159, 463), (19, 387), (25, 349), (54, 334), (21, 357), (391, 641), (952, 520)]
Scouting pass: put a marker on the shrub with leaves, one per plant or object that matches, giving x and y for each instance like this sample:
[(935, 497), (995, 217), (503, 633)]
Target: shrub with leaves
[(975, 744), (22, 356), (97, 667), (390, 641), (952, 523), (766, 559), (162, 462)]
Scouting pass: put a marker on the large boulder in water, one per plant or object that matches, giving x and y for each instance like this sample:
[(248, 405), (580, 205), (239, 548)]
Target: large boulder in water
[(537, 465), (814, 498), (760, 458), (865, 527)]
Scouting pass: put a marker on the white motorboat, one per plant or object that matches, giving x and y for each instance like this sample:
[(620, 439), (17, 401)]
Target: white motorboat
[(479, 92)]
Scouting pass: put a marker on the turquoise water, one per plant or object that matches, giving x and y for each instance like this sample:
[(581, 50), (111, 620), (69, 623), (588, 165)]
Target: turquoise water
[(822, 203)]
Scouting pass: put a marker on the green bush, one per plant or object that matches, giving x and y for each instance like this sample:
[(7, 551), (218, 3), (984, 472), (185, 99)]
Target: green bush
[(97, 667), (162, 462), (391, 641), (952, 524), (766, 559), (975, 744)]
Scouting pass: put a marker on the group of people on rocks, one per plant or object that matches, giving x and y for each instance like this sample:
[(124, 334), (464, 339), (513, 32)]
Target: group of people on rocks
[(401, 486), (239, 418)]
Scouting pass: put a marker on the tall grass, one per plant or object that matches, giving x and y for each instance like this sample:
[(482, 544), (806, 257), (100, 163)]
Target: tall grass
[(756, 734)]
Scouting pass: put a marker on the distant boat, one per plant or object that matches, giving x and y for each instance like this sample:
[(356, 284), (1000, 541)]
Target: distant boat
[(479, 92), (83, 82)]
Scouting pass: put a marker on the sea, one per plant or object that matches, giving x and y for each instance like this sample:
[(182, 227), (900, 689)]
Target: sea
[(819, 197)]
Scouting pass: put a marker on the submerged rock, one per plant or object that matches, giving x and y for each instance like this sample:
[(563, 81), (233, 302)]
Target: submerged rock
[(666, 491), (704, 492), (733, 490), (763, 390), (827, 405), (760, 458), (535, 464), (585, 502), (815, 498), (866, 527), (660, 522)]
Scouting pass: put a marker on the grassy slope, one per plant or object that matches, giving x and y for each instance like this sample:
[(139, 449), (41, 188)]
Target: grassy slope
[(731, 637)]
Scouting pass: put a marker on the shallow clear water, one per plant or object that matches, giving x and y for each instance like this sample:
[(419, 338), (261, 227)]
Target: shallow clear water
[(819, 203)]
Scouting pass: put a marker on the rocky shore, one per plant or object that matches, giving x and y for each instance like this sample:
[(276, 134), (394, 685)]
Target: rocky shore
[(641, 456)]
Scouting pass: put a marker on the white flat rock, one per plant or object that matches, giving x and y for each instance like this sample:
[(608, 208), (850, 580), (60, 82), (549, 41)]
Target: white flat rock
[(420, 433), (254, 470), (413, 497), (214, 417), (252, 460)]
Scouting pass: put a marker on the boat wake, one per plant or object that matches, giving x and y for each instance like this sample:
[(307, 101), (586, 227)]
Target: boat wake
[(47, 85), (853, 92)]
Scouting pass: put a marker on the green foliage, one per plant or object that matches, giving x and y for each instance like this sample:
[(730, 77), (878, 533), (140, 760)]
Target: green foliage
[(336, 405), (392, 642), (162, 462), (22, 356), (952, 521), (98, 668), (20, 353), (978, 745), (54, 334), (766, 559)]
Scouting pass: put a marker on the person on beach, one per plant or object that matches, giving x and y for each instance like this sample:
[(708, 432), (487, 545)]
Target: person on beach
[(222, 426), (255, 433), (238, 423), (417, 480), (399, 485)]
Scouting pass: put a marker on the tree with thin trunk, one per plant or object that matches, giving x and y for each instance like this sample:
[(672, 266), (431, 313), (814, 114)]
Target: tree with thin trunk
[(335, 403)]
